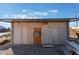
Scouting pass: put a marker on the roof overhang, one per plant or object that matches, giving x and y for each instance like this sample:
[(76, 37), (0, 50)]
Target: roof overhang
[(39, 20)]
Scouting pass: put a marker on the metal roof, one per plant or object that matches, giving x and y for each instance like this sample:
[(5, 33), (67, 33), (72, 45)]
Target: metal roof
[(42, 19)]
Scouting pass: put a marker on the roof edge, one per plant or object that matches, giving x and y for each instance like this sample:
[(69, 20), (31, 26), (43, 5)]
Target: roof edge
[(41, 19)]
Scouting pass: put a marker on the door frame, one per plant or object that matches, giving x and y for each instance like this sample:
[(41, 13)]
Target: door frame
[(37, 36)]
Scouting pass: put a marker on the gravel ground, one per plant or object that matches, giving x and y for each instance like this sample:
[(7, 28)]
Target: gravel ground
[(37, 50)]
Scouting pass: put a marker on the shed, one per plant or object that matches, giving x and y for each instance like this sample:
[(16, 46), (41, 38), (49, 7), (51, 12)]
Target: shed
[(39, 31)]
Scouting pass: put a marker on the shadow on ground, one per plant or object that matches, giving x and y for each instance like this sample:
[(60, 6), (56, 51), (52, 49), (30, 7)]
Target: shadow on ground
[(37, 50)]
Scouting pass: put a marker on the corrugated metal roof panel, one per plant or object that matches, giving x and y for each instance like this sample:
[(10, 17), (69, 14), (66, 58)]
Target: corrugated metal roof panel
[(49, 19)]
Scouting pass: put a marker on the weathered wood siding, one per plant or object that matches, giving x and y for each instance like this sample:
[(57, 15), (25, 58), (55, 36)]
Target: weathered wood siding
[(52, 32), (17, 33)]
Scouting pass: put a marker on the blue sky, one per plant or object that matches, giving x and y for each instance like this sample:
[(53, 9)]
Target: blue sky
[(50, 10), (44, 10)]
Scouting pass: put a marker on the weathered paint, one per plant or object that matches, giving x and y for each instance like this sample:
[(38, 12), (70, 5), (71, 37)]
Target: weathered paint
[(37, 36), (51, 32), (17, 33)]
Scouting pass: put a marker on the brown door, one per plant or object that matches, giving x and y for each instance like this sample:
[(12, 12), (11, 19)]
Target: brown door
[(37, 36)]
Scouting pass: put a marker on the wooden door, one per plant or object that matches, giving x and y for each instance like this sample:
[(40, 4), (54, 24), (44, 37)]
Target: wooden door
[(37, 36)]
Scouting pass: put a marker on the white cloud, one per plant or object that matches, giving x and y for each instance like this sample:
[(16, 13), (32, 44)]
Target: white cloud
[(32, 14), (23, 10), (54, 11), (23, 16), (5, 16), (14, 16), (31, 17), (18, 16), (26, 10), (34, 17), (41, 13)]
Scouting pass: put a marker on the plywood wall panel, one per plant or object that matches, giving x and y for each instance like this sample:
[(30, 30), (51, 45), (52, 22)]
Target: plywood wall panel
[(52, 32), (24, 33), (17, 33), (30, 36)]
